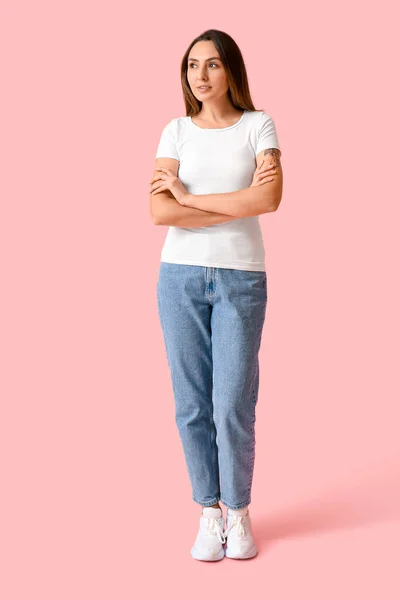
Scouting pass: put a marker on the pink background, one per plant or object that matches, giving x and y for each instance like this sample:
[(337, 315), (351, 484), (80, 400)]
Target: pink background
[(96, 500)]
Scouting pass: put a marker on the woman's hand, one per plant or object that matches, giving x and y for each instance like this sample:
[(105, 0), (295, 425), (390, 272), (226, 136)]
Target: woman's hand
[(167, 180), (263, 174)]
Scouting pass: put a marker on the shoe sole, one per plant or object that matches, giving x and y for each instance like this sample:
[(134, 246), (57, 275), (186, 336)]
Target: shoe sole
[(198, 556), (249, 554)]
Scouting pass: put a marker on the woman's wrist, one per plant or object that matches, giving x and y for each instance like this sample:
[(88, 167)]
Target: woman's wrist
[(189, 200)]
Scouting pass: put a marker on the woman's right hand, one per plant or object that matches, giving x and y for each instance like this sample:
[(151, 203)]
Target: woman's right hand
[(263, 174)]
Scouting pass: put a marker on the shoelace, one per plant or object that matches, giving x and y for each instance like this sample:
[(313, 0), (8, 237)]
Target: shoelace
[(213, 527), (238, 523)]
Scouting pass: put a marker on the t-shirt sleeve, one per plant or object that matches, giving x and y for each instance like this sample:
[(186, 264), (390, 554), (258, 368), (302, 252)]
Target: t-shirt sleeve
[(167, 146), (267, 136)]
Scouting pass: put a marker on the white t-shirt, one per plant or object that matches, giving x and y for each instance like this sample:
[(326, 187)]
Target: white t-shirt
[(213, 161)]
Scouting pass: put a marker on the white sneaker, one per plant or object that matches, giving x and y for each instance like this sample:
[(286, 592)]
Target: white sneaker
[(210, 537), (239, 536)]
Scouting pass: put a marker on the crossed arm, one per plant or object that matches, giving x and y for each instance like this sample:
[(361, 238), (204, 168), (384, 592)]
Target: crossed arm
[(208, 209)]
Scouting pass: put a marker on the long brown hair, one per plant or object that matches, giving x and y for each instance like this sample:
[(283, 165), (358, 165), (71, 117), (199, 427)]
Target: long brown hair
[(233, 62)]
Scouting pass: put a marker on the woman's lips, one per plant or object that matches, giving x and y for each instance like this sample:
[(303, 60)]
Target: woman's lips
[(204, 89)]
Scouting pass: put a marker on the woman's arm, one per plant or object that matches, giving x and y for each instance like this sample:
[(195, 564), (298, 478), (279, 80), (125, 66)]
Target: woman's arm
[(250, 201), (166, 210), (170, 212)]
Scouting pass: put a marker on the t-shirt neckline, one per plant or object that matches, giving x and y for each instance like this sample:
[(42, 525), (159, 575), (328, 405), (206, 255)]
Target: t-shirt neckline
[(218, 128)]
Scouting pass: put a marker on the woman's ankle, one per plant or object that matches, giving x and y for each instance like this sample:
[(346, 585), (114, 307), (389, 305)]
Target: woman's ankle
[(213, 506)]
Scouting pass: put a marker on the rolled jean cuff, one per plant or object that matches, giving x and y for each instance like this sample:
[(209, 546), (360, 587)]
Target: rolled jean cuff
[(236, 506), (209, 503)]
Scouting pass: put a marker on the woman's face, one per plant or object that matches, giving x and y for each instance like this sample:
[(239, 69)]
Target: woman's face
[(206, 69)]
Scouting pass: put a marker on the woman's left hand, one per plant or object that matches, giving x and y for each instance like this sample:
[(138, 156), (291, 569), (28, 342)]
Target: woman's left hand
[(166, 180)]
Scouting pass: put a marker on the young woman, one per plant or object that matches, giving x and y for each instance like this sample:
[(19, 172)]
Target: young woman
[(212, 282)]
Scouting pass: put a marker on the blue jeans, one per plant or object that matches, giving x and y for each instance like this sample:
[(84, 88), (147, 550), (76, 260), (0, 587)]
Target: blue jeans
[(212, 320)]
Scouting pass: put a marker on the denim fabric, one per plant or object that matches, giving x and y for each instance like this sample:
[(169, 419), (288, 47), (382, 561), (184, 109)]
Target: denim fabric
[(212, 320)]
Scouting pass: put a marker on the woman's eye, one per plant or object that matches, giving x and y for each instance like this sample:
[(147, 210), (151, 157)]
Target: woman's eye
[(193, 65)]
